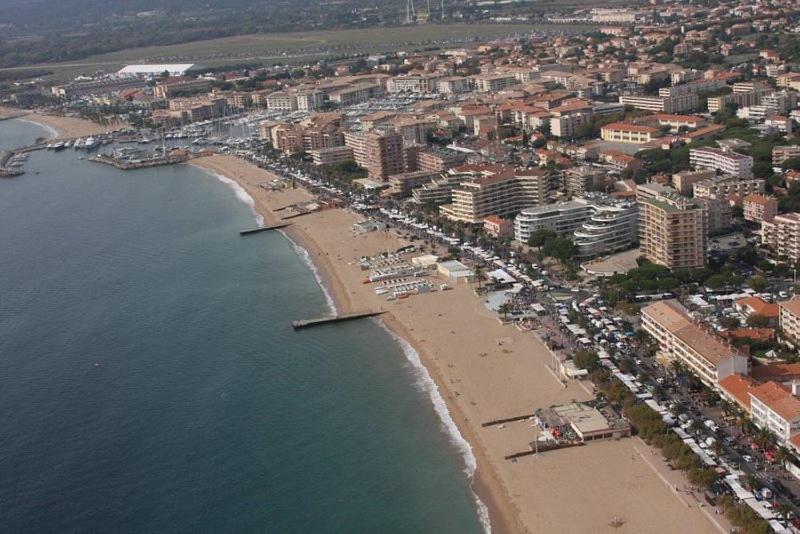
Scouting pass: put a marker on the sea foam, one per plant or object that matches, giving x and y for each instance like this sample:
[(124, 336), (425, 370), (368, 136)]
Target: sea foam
[(424, 381), (427, 385), (241, 194), (51, 132), (305, 257)]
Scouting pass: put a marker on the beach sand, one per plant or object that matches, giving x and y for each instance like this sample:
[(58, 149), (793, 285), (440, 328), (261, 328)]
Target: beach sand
[(62, 127), (485, 370)]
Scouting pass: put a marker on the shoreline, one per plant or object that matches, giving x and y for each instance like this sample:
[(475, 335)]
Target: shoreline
[(495, 518), (519, 496), (57, 127)]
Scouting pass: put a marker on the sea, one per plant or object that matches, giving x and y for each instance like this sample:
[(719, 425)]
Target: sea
[(150, 380)]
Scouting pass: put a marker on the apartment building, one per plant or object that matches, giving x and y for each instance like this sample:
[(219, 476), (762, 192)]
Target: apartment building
[(281, 101), (781, 236), (676, 122), (611, 227), (672, 229), (577, 181), (662, 104), (717, 214), (758, 208), (777, 409), (723, 187), (562, 218), (493, 83), (682, 338), (334, 154), (455, 84), (725, 161), (380, 153), (355, 94), (683, 182), (741, 99), (623, 132), (437, 159), (181, 86), (419, 84), (500, 191), (309, 100), (402, 184), (789, 319), (693, 87), (781, 153)]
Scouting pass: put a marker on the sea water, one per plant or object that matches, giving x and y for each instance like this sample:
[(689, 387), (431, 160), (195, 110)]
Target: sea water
[(150, 380)]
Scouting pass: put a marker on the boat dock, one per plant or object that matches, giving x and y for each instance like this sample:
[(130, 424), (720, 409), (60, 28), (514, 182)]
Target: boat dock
[(307, 323), (264, 229)]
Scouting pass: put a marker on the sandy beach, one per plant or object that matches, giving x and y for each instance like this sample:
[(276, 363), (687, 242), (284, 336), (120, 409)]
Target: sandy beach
[(485, 370), (60, 127)]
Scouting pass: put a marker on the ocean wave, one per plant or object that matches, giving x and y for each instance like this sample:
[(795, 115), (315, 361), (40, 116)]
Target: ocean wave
[(240, 192), (51, 132), (427, 385), (305, 257)]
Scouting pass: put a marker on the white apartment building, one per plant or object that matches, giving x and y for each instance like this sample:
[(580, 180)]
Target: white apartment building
[(725, 161), (281, 101), (781, 235), (612, 226), (562, 218), (722, 186), (492, 83), (676, 104)]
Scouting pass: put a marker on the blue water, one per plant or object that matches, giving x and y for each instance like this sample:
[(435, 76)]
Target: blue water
[(150, 380)]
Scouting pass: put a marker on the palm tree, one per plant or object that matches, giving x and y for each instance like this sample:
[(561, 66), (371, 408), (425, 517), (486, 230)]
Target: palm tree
[(782, 454), (763, 438)]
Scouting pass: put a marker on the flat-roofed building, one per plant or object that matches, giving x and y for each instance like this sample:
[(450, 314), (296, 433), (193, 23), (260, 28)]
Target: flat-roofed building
[(672, 229), (781, 153), (439, 159), (676, 104), (725, 161), (683, 182), (380, 153), (722, 187), (612, 226), (680, 337), (500, 191), (493, 83), (562, 218), (334, 154), (402, 184), (759, 208), (781, 236), (281, 101)]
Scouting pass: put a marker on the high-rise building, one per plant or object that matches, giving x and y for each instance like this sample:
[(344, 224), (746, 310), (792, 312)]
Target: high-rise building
[(672, 229), (381, 154)]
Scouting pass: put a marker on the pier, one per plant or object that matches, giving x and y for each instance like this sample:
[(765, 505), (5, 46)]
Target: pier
[(264, 229), (307, 323), (543, 447), (127, 165), (507, 420)]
